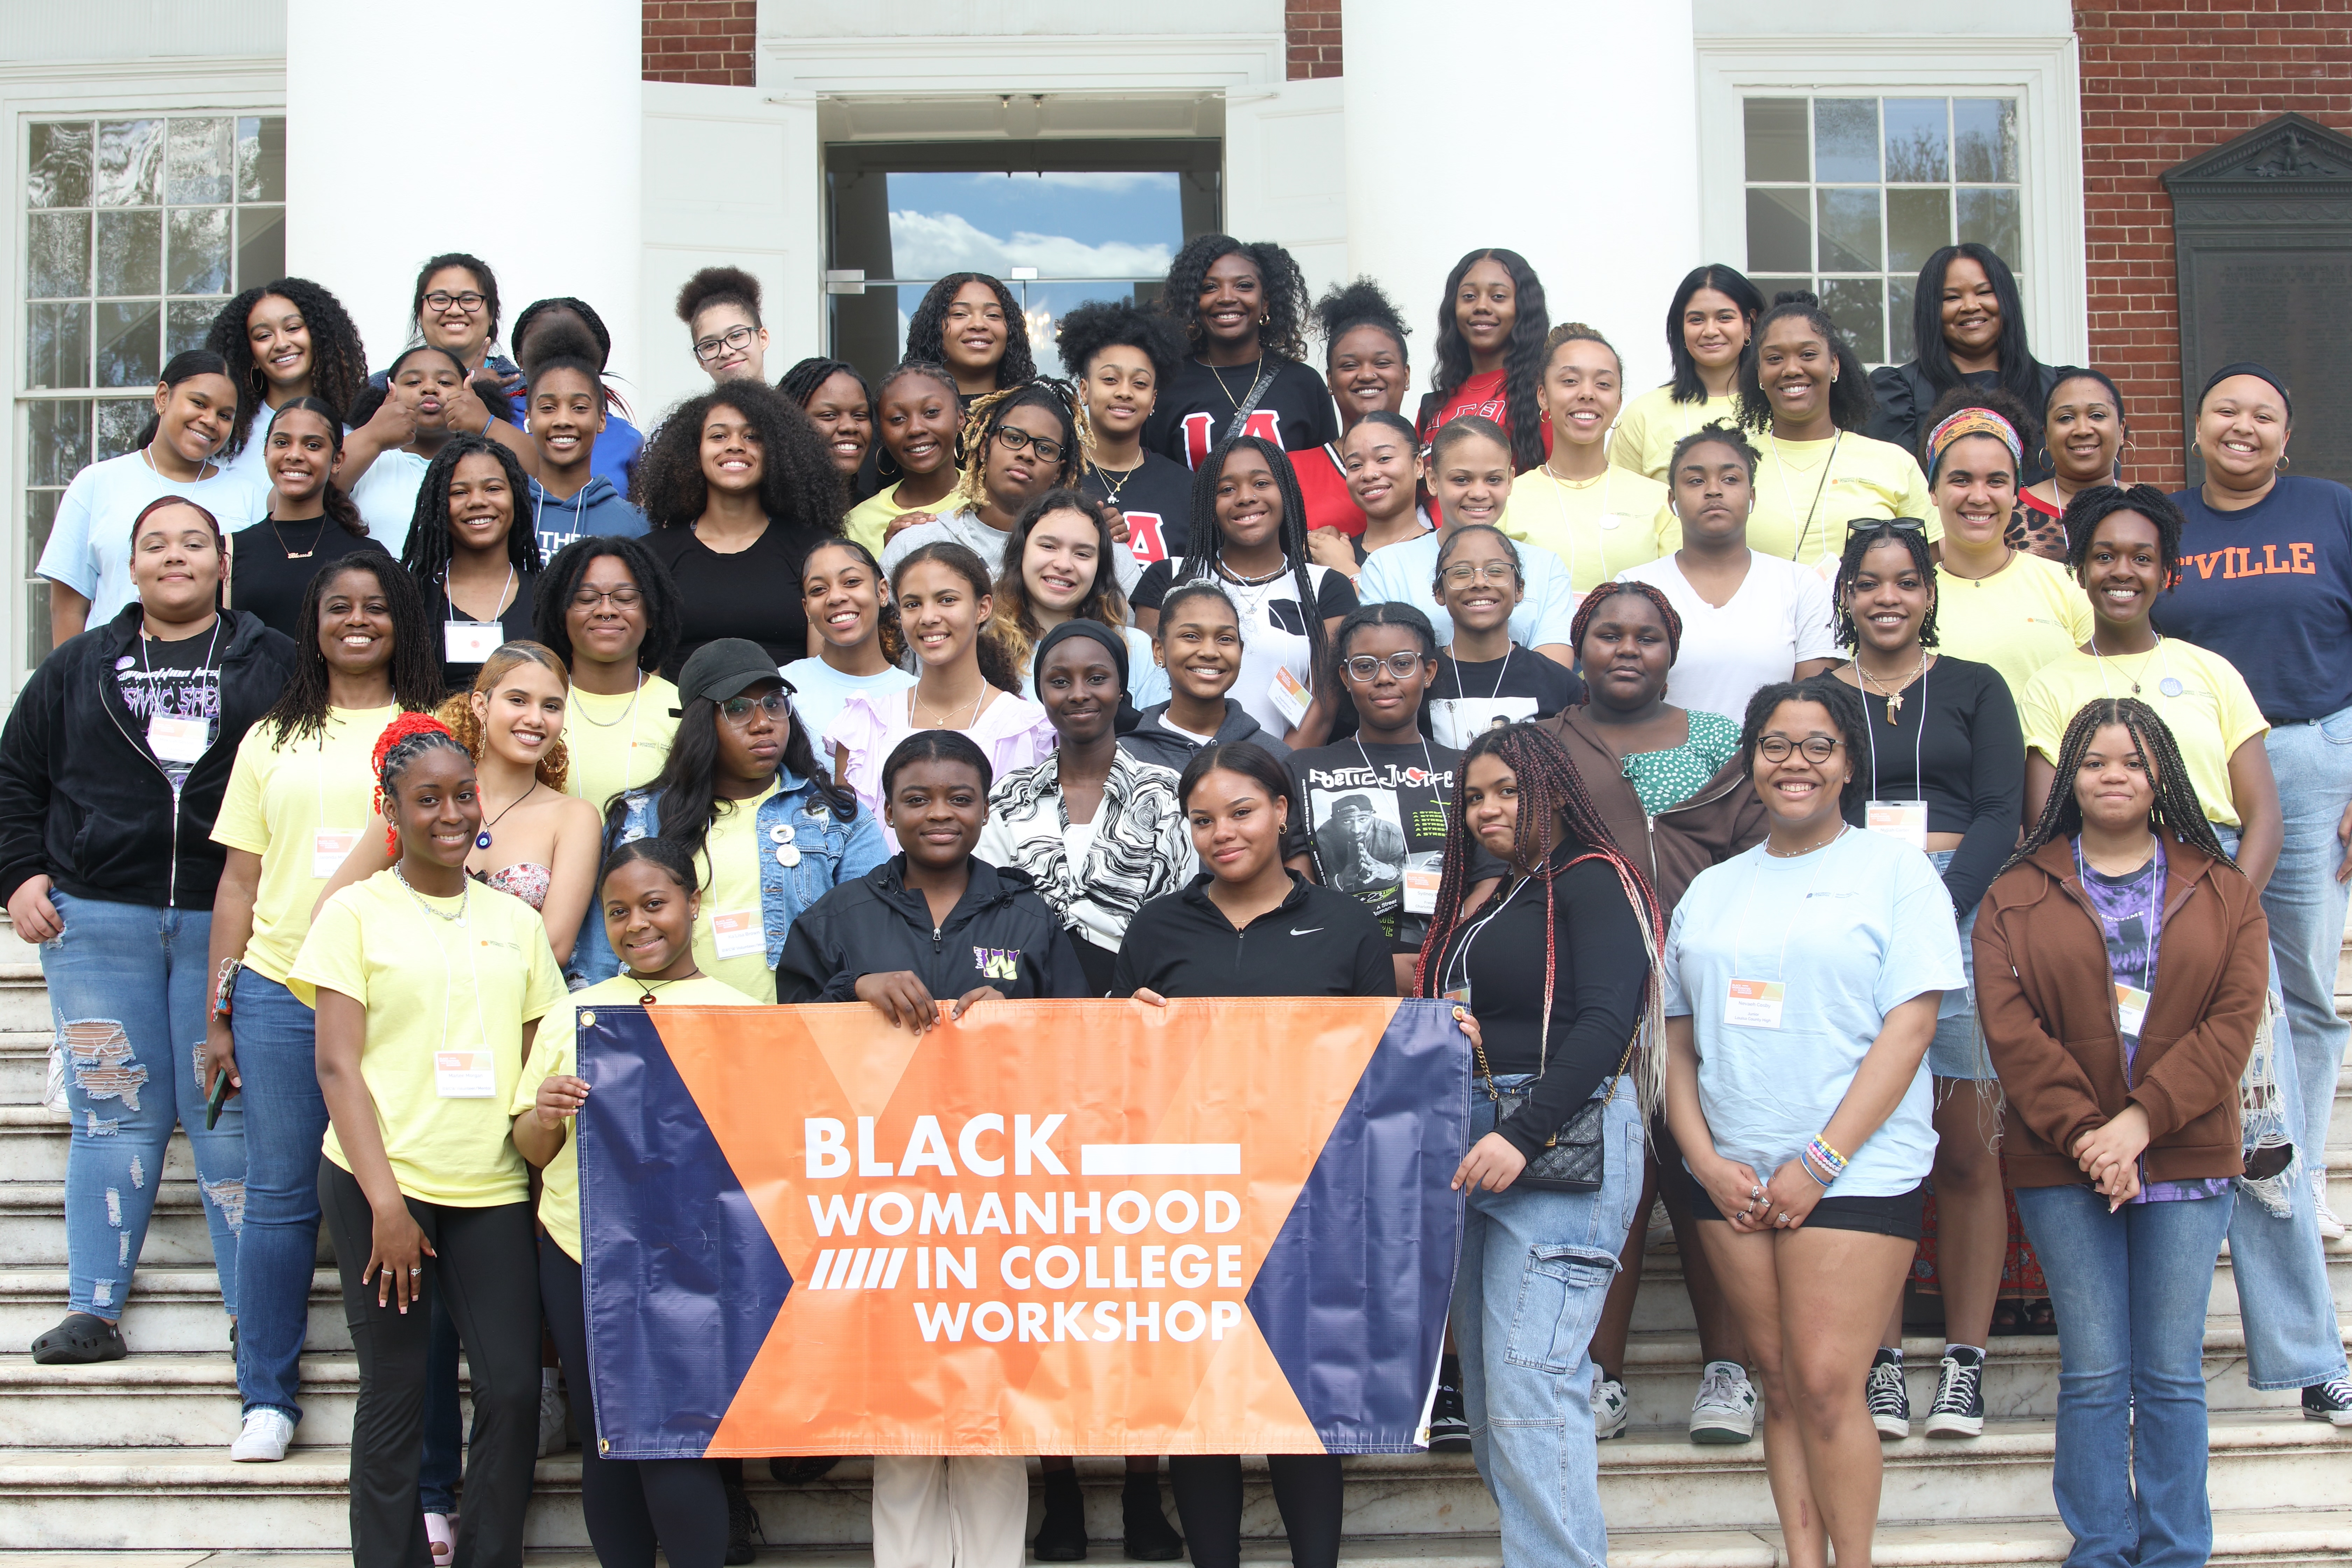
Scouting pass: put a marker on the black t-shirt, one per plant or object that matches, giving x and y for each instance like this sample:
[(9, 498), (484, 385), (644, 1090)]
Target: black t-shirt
[(1157, 498), (267, 581), (174, 679), (755, 593), (1369, 814), (1967, 764), (1315, 942), (1196, 408), (1334, 595), (516, 623), (1464, 699)]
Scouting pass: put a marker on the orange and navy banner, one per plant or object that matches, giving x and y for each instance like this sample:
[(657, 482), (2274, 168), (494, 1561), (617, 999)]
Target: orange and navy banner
[(1052, 1228)]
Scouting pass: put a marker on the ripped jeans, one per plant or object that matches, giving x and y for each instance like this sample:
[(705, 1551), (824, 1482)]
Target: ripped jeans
[(127, 991)]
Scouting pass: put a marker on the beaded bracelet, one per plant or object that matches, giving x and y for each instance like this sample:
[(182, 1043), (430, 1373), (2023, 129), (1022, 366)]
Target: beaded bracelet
[(1818, 1153)]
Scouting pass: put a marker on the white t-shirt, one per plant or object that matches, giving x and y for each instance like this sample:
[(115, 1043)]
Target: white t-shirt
[(89, 543), (966, 528), (819, 691), (1849, 931), (1777, 620), (249, 464), (386, 497)]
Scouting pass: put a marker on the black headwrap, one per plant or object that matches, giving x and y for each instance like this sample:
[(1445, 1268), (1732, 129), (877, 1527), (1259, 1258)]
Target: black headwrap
[(2246, 367)]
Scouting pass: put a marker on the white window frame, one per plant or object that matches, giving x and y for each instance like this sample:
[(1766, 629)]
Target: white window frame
[(2041, 73)]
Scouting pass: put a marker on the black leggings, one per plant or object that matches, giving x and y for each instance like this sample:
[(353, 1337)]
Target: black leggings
[(1307, 1488), (481, 1267), (630, 1505)]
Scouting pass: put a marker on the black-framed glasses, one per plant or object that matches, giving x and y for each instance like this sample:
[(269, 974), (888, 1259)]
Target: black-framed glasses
[(734, 340), (1364, 668), (777, 704), (1048, 450), (623, 598), (1816, 748), (1463, 572), (442, 300), (1886, 525)]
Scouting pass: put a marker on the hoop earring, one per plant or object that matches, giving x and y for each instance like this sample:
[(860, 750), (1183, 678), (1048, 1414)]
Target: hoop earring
[(2192, 448), (2282, 462)]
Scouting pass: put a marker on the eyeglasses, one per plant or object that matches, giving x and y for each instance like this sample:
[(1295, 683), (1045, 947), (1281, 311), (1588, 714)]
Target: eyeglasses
[(441, 299), (627, 598), (1048, 450), (1885, 525), (734, 340), (1365, 668), (1816, 748), (1469, 572), (774, 704)]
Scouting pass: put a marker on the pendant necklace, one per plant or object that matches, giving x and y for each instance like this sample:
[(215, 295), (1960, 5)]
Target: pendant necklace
[(1894, 697), (650, 986), (482, 839)]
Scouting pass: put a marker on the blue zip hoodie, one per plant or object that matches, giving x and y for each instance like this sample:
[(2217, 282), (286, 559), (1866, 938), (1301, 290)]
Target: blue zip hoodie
[(598, 509)]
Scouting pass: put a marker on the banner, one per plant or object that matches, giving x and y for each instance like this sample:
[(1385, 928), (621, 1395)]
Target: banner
[(1052, 1228)]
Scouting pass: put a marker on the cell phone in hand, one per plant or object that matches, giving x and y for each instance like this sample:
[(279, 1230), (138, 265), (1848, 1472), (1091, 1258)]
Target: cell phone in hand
[(218, 1098)]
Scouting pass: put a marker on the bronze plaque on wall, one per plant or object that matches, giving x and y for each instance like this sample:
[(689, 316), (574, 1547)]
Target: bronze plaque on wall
[(2262, 231)]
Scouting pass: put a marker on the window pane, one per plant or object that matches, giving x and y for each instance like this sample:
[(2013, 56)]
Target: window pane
[(129, 344), (1919, 224), (130, 162), (1779, 231), (186, 322), (199, 250), (1984, 132), (1776, 138), (261, 160), (58, 447), (59, 242), (261, 246), (1916, 140), (131, 252), (1846, 138), (1850, 231), (59, 171), (1772, 288), (120, 421), (1990, 217), (202, 166), (1902, 345), (40, 516), (1858, 305), (36, 593), (56, 346)]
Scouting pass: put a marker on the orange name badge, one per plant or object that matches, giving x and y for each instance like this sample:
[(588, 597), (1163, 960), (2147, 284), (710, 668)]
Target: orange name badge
[(329, 846), (738, 933), (464, 1075), (1288, 695), (1903, 819), (2131, 1008), (1755, 1004)]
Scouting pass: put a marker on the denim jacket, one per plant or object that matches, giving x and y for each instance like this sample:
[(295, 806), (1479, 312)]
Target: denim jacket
[(832, 851)]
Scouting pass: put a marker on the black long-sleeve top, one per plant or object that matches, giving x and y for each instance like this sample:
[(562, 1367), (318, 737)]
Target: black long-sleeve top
[(1970, 766), (1599, 970)]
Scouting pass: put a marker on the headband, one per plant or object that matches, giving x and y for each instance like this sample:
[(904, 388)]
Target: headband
[(1972, 422), (1107, 635), (2245, 367)]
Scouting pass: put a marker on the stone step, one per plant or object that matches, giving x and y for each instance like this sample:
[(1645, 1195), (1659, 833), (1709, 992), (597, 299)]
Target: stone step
[(162, 1401), (23, 997), (171, 1311), (24, 1065), (32, 1227)]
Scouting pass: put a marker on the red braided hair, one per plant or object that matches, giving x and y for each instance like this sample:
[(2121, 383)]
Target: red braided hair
[(398, 743)]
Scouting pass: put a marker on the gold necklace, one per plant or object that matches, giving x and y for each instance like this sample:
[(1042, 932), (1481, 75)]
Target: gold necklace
[(1894, 695), (1228, 391), (916, 706), (1566, 483)]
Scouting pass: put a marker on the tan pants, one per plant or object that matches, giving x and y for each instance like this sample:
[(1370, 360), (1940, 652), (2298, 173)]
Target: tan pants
[(932, 1512)]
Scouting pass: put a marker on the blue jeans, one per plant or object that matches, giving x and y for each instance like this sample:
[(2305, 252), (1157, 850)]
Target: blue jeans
[(2130, 1292), (1535, 1269), (2306, 904), (285, 1125), (128, 994), (1958, 1050)]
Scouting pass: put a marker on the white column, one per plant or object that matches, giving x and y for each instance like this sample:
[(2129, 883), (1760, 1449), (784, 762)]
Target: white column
[(507, 129), (1564, 129)]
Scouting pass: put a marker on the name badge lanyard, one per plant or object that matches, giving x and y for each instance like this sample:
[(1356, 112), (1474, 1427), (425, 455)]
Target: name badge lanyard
[(329, 846), (1918, 774), (459, 637), (2132, 1001), (1781, 467), (1762, 1007), (205, 676), (1458, 964)]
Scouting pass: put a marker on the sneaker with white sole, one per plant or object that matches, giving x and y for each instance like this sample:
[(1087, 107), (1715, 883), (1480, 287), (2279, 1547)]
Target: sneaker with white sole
[(1890, 1401), (264, 1439), (2331, 1225), (2330, 1402), (1725, 1410), (1611, 1410), (1958, 1410)]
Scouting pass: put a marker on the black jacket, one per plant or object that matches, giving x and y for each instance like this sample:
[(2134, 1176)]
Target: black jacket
[(1315, 942), (1904, 397), (84, 802), (1150, 742), (1000, 933)]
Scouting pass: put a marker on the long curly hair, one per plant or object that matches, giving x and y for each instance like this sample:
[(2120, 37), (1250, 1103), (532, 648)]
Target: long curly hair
[(1201, 564), (337, 504), (800, 490), (2177, 808), (988, 414), (1688, 385), (457, 710), (301, 709), (405, 738), (551, 600), (926, 328), (426, 551), (1281, 284), (1523, 352), (1851, 399), (1013, 618), (337, 359)]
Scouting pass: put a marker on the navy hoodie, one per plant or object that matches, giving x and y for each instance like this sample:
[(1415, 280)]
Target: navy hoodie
[(598, 509)]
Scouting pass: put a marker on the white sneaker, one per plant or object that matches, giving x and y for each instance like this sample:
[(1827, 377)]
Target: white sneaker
[(1725, 1410), (554, 1418), (264, 1437), (2331, 1228), (1611, 1410)]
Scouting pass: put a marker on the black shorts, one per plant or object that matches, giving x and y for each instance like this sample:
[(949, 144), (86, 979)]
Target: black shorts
[(1896, 1215)]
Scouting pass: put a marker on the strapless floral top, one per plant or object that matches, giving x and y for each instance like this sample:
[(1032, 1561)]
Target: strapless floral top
[(525, 881)]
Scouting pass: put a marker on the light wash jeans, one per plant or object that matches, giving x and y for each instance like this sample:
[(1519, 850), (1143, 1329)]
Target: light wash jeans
[(2306, 904), (127, 993), (1535, 1269), (2130, 1290), (285, 1126)]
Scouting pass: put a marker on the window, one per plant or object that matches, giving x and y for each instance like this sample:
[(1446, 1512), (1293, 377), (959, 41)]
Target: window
[(1848, 197), (136, 232)]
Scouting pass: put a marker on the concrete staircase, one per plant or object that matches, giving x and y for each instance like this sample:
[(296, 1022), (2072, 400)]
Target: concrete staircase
[(129, 1461)]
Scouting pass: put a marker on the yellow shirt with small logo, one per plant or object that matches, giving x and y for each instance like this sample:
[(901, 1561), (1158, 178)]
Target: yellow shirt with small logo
[(2199, 695), (620, 742), (733, 857), (1806, 491), (2017, 620), (869, 521), (1650, 426), (1597, 528)]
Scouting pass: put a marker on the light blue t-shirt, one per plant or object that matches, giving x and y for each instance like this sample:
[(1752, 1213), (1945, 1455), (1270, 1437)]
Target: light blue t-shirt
[(89, 548), (819, 691), (1852, 930), (1401, 573)]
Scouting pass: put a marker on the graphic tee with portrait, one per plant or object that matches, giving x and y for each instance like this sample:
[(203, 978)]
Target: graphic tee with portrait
[(1372, 819)]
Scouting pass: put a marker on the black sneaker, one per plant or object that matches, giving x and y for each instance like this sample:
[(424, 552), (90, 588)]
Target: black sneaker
[(1062, 1533), (742, 1523), (1149, 1537), (1958, 1410), (1890, 1401), (1449, 1425), (2330, 1402), (80, 1340)]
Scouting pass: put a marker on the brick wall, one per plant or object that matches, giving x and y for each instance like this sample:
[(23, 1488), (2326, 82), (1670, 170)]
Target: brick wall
[(2162, 81), (1310, 33), (702, 40)]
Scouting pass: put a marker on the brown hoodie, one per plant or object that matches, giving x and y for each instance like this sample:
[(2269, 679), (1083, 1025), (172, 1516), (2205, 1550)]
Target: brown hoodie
[(2046, 996), (1719, 821)]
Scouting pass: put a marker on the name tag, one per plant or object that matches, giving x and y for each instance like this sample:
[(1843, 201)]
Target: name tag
[(2131, 1007), (1459, 996), (471, 642), (1904, 819), (463, 1074), (1287, 695), (1421, 891), (738, 933), (329, 848), (177, 740), (1755, 1004)]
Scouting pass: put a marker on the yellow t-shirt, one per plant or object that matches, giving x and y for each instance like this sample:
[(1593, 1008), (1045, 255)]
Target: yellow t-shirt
[(434, 986), (618, 742), (1867, 478), (283, 803), (1597, 529), (870, 519), (730, 868), (2017, 620), (555, 1053), (1649, 427), (2211, 713)]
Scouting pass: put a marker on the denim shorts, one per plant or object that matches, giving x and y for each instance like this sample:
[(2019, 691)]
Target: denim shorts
[(1898, 1215), (1958, 1048)]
